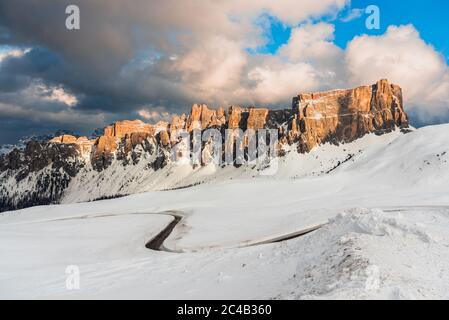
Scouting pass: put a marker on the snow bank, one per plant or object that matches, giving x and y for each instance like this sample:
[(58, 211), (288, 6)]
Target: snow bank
[(376, 254)]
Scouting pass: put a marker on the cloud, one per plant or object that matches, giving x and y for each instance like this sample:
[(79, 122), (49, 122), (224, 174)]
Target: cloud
[(151, 58), (11, 52), (276, 82), (9, 110), (148, 52), (154, 114), (15, 118), (311, 61), (146, 58), (212, 67), (57, 94), (308, 61), (353, 14), (313, 43), (404, 58), (117, 29), (38, 108)]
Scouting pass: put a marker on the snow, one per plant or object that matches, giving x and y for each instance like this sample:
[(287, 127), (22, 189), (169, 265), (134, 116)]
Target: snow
[(384, 214), (398, 253), (5, 149), (122, 180)]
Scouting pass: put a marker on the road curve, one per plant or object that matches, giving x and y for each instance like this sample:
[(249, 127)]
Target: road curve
[(156, 243)]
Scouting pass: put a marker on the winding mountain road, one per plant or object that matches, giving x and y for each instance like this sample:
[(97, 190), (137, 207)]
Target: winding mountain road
[(156, 243)]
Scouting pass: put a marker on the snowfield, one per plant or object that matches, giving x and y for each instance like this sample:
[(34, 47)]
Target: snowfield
[(381, 204)]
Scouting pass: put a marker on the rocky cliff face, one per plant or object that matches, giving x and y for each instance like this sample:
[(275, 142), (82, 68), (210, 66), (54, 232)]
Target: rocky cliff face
[(345, 115), (41, 173)]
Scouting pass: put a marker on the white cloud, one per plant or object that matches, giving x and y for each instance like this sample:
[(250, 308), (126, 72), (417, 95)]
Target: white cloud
[(289, 11), (52, 93), (311, 61), (11, 52), (277, 82), (404, 58), (154, 114), (211, 63), (222, 73), (216, 69), (212, 66), (312, 43), (59, 94), (352, 15)]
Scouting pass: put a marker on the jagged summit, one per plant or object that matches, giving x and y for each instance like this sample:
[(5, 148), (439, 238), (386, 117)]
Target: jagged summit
[(43, 172), (338, 115)]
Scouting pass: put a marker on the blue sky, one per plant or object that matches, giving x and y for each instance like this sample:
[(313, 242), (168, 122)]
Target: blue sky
[(430, 20)]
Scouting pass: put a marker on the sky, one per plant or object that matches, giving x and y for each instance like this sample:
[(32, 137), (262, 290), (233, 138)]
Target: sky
[(147, 59)]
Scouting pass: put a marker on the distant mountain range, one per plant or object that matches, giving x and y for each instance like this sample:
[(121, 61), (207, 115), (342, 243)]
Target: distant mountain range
[(21, 143)]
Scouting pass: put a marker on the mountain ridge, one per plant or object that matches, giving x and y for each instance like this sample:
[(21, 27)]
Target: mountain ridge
[(42, 172)]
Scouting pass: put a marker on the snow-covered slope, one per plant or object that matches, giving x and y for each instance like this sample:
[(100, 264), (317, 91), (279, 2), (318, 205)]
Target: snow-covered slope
[(88, 185), (385, 213)]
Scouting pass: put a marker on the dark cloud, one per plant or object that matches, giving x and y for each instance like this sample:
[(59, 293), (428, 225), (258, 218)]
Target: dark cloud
[(16, 73), (129, 54)]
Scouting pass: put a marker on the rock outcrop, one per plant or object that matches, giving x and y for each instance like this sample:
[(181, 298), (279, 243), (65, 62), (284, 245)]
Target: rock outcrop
[(346, 115), (337, 116), (82, 144), (66, 138), (257, 118), (201, 117), (121, 128)]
